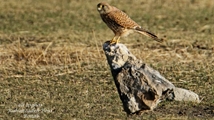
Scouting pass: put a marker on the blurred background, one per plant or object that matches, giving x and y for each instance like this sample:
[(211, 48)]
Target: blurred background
[(51, 57)]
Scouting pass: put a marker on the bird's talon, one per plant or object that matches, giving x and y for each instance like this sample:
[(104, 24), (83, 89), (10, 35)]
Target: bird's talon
[(113, 42)]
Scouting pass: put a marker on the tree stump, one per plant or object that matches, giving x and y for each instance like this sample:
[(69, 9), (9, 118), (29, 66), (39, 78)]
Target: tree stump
[(140, 87)]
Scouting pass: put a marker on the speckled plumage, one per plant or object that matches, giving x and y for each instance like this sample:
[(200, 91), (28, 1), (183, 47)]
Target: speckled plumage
[(120, 23)]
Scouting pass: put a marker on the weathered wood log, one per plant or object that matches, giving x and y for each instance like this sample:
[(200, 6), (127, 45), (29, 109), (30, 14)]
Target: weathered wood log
[(139, 86)]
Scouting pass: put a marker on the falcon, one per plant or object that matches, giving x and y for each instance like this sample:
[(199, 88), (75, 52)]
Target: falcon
[(120, 23)]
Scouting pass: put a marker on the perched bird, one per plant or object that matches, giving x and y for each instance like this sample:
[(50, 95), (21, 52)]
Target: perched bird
[(120, 23)]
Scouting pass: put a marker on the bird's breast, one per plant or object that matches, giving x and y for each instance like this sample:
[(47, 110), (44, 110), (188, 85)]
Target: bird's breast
[(112, 24)]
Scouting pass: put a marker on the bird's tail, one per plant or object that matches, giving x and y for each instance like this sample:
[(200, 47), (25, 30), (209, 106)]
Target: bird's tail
[(147, 33)]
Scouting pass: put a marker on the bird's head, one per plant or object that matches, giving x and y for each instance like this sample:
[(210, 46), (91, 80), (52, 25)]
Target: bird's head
[(103, 8)]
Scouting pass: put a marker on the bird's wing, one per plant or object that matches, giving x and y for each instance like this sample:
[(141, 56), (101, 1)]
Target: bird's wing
[(122, 19)]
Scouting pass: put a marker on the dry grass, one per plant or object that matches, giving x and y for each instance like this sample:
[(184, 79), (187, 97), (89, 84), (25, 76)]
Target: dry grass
[(51, 58)]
